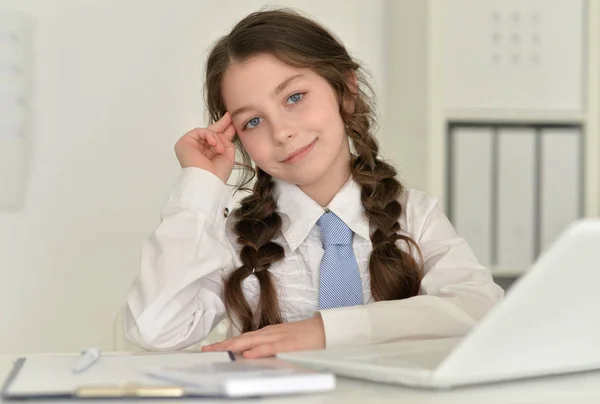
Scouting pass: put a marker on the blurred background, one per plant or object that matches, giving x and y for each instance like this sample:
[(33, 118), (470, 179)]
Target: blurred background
[(490, 105)]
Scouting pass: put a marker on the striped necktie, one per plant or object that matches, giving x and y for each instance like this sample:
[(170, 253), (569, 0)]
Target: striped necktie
[(339, 278)]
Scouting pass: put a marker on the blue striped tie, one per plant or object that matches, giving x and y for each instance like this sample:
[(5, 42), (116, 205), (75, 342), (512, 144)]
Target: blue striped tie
[(339, 278)]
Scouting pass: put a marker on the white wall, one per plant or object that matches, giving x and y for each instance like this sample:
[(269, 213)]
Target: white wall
[(406, 98), (116, 83)]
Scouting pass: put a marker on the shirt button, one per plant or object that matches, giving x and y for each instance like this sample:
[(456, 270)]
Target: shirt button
[(225, 212)]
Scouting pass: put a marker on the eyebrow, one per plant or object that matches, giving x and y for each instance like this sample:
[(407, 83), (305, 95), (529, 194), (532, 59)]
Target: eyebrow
[(282, 86), (286, 83)]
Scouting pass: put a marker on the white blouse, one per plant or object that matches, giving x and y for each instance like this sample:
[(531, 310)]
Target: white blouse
[(177, 298)]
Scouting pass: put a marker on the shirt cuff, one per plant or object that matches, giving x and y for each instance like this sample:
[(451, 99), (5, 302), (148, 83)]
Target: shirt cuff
[(202, 190), (346, 326)]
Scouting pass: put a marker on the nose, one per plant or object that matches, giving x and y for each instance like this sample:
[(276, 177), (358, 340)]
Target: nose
[(283, 131)]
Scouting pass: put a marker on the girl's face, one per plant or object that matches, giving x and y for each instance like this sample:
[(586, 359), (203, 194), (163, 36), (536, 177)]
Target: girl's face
[(288, 120)]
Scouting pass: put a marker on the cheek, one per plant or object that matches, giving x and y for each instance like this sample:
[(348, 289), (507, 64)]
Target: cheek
[(332, 130), (255, 147), (326, 116)]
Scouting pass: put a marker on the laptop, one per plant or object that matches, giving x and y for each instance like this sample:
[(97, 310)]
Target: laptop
[(547, 324)]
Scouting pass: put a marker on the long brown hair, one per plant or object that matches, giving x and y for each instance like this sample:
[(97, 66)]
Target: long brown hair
[(301, 42)]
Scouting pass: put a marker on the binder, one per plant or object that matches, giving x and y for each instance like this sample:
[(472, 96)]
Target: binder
[(471, 190), (516, 200), (561, 181)]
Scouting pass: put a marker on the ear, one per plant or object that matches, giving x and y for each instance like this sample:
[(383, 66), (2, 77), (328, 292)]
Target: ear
[(349, 101)]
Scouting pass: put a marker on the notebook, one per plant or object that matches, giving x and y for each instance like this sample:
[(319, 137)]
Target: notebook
[(149, 375)]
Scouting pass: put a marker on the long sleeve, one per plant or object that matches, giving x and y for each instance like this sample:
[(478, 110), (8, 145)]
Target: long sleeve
[(176, 299), (456, 292)]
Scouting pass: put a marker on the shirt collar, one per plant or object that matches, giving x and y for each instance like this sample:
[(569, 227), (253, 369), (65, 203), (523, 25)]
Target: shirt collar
[(300, 212)]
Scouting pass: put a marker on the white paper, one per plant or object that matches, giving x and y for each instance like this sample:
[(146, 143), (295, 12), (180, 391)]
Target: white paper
[(51, 374)]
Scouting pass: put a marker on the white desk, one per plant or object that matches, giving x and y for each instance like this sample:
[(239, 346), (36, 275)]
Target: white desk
[(574, 389)]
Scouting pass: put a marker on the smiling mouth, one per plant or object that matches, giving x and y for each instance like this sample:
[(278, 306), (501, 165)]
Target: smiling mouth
[(300, 153)]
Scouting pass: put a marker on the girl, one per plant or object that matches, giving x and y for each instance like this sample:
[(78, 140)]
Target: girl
[(328, 248)]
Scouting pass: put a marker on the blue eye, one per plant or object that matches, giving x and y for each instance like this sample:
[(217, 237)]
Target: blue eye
[(253, 123), (295, 98)]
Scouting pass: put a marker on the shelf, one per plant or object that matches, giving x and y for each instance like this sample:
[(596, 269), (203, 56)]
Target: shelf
[(513, 116), (507, 272)]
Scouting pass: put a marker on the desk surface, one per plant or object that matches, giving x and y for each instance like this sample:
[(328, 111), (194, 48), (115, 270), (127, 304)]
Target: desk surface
[(580, 388)]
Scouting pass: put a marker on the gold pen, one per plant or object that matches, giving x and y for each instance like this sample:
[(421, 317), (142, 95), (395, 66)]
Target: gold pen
[(129, 390)]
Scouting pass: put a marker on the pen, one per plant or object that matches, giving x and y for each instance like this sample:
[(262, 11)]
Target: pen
[(87, 359)]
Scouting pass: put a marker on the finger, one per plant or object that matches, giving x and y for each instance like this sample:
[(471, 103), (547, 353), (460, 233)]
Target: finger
[(217, 346), (201, 136), (211, 138), (220, 346), (229, 132), (225, 142), (246, 341), (214, 143), (243, 342), (210, 348), (221, 124), (263, 351), (219, 146)]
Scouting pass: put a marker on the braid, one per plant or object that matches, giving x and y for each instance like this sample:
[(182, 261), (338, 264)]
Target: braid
[(257, 223), (394, 273)]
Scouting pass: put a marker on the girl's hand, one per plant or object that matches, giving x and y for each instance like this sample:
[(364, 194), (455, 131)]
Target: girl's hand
[(268, 341), (209, 148)]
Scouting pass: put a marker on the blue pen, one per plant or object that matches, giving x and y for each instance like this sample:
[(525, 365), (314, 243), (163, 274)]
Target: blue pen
[(87, 359)]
